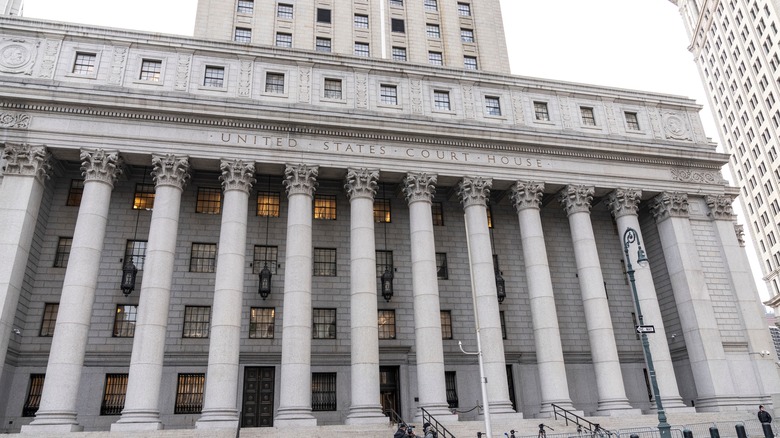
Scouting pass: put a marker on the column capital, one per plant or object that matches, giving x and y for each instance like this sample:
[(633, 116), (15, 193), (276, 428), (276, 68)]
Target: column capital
[(474, 191), (624, 202), (26, 160), (419, 187), (300, 179), (101, 165), (669, 204), (170, 170), (527, 194), (361, 183), (237, 175), (577, 199), (739, 230), (720, 207)]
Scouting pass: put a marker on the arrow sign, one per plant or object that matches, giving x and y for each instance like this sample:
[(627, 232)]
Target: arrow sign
[(645, 329)]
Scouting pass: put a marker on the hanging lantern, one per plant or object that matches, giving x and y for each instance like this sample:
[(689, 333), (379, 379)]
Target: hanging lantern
[(500, 287), (387, 284), (129, 271), (264, 288)]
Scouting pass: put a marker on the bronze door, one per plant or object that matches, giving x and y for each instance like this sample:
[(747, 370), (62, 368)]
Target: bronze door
[(389, 389), (258, 401)]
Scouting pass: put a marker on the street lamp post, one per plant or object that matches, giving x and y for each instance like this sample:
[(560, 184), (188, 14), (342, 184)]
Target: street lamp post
[(630, 236)]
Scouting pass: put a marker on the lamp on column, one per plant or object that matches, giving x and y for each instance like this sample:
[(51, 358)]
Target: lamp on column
[(264, 285), (500, 283), (129, 271), (387, 276)]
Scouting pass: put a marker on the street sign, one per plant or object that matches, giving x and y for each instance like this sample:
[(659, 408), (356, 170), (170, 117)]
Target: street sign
[(645, 329)]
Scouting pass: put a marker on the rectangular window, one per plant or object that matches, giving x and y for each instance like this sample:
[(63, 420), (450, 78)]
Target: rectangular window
[(464, 9), (632, 121), (323, 391), (382, 212), (261, 322), (214, 77), (323, 15), (437, 210), (196, 322), (124, 320), (283, 39), (114, 394), (493, 105), (588, 118), (386, 324), (325, 207), (242, 35), (265, 255), (189, 393), (441, 266), (274, 83), (209, 200), (450, 382), (361, 21), (467, 35), (324, 262), (143, 199), (396, 2), (399, 53), (151, 70), (284, 11), (503, 324), (540, 111), (268, 204), (397, 25), (75, 192), (84, 64), (246, 6), (433, 31), (136, 250), (34, 391), (470, 62), (441, 100), (323, 45), (333, 88), (324, 323), (430, 5), (203, 257), (361, 49), (489, 214), (388, 94), (384, 261), (63, 252), (446, 324), (49, 320)]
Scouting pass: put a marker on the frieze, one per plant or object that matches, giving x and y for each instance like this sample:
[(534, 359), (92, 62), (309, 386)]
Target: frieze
[(50, 51), (698, 176), (17, 56), (14, 120), (676, 126)]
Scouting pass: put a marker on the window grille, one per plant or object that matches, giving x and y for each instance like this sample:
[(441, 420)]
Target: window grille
[(189, 394), (274, 83), (323, 391), (437, 210), (451, 385), (34, 391), (114, 394)]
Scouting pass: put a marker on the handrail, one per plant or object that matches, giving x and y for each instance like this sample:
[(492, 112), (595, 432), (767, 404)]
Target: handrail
[(592, 428), (438, 427), (394, 417)]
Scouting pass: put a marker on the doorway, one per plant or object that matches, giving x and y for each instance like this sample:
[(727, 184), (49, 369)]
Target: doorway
[(390, 389), (258, 401)]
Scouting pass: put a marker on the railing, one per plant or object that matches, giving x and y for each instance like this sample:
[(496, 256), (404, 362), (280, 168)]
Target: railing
[(583, 425), (441, 431), (394, 417)]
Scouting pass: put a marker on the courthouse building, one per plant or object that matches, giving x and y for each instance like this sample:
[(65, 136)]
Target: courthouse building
[(201, 232)]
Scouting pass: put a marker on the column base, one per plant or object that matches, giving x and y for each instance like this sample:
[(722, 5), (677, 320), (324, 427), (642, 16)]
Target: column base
[(55, 422), (673, 405), (616, 408), (441, 413), (218, 419), (138, 421), (294, 417), (721, 404), (366, 415), (547, 408)]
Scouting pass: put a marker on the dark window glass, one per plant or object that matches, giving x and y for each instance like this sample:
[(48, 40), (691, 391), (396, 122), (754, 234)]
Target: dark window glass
[(34, 391), (324, 262), (323, 391), (136, 249), (84, 64), (124, 320), (63, 252), (75, 193), (397, 25), (49, 320), (437, 209), (265, 254), (324, 323), (323, 15), (203, 257), (214, 77), (441, 266), (196, 322), (446, 324), (261, 322), (450, 381), (384, 260)]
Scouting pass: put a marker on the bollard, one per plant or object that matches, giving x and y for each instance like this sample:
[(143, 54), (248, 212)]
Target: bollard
[(479, 434), (740, 431), (687, 433), (714, 432), (768, 433), (633, 435)]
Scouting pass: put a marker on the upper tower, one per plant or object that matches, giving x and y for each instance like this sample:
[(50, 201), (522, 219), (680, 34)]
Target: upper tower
[(11, 7), (458, 34)]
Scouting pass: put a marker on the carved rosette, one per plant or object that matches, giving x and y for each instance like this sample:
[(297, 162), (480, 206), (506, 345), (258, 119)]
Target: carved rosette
[(623, 202), (577, 199), (419, 187), (300, 179), (170, 170), (14, 120), (669, 204), (26, 160), (101, 165), (237, 175), (720, 207), (361, 183), (474, 191), (527, 194), (739, 229)]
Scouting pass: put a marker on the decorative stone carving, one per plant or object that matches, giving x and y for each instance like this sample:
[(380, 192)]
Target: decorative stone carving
[(50, 51), (698, 176), (468, 101), (474, 191), (118, 65), (655, 123), (415, 95), (101, 165), (237, 175), (720, 207), (739, 229), (609, 110), (361, 90), (676, 127), (361, 183), (304, 83), (17, 56), (517, 109), (245, 78), (565, 105), (419, 187), (624, 202), (668, 205), (26, 160), (170, 170), (300, 179), (577, 199), (183, 71), (527, 194), (14, 120)]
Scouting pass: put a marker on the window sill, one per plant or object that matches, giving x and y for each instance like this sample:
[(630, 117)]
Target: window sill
[(155, 83), (207, 88)]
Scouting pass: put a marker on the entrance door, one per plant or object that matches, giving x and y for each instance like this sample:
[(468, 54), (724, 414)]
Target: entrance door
[(389, 389), (258, 402)]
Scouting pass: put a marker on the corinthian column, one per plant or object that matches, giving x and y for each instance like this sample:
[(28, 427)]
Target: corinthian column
[(142, 403), (221, 393), (527, 199), (26, 171), (624, 204), (419, 189), (577, 201), (58, 407), (714, 386), (295, 394), (473, 193), (361, 187)]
